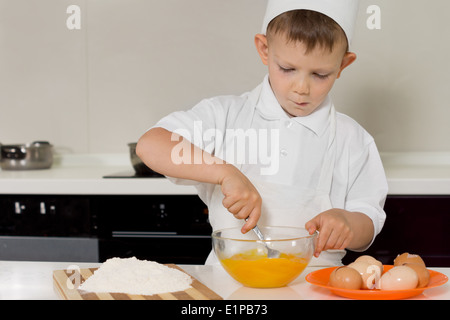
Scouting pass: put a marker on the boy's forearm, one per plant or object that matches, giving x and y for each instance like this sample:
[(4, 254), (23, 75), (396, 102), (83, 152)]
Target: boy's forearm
[(161, 153), (363, 229)]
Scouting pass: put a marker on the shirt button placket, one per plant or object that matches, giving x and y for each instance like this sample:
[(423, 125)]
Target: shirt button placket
[(283, 151), (288, 124)]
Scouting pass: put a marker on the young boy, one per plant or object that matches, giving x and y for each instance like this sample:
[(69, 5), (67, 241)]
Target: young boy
[(324, 172)]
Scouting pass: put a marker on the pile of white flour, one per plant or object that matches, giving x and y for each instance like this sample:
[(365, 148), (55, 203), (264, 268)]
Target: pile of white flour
[(135, 276)]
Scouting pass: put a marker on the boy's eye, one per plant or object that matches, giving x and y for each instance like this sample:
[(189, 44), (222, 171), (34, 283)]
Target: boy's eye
[(286, 69), (321, 76)]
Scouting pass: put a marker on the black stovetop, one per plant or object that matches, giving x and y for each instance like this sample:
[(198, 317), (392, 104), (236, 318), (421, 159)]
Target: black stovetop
[(133, 174)]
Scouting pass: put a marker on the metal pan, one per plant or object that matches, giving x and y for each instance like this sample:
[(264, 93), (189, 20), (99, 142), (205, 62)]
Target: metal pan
[(31, 156)]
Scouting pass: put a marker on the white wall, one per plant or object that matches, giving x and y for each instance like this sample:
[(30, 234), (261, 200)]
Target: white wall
[(95, 89)]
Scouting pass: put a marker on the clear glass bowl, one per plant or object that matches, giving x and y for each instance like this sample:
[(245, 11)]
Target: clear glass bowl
[(244, 256)]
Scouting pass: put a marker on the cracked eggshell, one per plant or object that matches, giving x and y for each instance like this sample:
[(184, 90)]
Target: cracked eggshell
[(366, 270), (422, 273), (371, 260), (408, 258)]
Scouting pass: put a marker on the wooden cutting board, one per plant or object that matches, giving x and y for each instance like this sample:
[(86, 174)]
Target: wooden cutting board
[(65, 283)]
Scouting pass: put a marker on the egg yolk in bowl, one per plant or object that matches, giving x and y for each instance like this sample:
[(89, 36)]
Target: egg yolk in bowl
[(254, 269)]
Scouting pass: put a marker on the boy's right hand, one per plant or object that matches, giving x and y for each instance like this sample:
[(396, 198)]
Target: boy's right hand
[(241, 198)]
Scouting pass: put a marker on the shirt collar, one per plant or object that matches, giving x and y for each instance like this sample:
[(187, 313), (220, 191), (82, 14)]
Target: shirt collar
[(270, 109)]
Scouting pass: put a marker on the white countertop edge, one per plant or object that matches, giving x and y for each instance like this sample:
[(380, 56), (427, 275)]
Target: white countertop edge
[(415, 158), (110, 186), (419, 187), (162, 186)]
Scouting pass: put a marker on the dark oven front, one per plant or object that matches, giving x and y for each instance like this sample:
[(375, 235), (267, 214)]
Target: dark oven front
[(166, 229)]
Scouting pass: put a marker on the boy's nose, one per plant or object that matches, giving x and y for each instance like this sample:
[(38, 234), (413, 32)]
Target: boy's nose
[(302, 86)]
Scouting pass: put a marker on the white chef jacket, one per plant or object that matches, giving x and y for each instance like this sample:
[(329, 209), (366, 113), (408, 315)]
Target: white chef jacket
[(358, 183)]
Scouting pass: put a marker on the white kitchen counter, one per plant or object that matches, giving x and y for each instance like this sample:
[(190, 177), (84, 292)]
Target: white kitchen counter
[(83, 175), (24, 280), (417, 173), (407, 173)]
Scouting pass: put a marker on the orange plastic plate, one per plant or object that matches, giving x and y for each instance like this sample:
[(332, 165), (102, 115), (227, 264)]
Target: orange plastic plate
[(320, 278)]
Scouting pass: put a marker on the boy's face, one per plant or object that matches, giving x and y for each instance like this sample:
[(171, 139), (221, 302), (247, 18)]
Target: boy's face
[(301, 81)]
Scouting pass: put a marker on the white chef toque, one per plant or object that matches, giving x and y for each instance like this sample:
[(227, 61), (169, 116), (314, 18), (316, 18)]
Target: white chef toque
[(343, 12)]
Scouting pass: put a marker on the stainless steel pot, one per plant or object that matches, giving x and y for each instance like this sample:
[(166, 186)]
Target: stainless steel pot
[(139, 167), (31, 156)]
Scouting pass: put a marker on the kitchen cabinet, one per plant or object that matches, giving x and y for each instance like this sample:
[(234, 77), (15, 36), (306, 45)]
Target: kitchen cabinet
[(45, 215), (175, 228), (47, 228), (418, 224)]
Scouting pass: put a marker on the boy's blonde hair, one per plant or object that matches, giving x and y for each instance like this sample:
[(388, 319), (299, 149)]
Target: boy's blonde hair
[(312, 28)]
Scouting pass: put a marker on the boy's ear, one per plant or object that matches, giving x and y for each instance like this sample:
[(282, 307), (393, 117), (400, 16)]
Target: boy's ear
[(262, 48), (348, 59)]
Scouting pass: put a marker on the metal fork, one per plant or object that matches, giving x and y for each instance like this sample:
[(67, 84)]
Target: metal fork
[(271, 253)]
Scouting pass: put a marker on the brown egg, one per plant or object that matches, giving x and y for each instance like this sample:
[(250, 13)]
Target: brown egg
[(422, 273), (346, 278), (408, 258)]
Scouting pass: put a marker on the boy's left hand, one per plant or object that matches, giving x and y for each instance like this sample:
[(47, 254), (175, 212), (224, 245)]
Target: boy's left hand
[(335, 230)]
